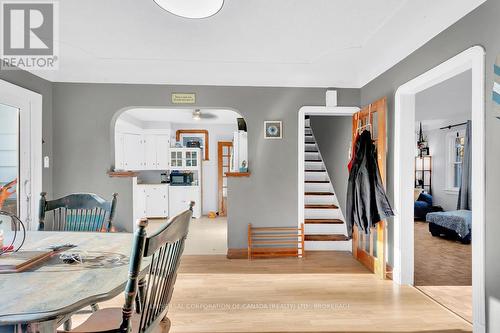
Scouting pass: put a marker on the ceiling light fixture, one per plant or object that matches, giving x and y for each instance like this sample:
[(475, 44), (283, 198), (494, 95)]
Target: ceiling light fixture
[(195, 9), (197, 114)]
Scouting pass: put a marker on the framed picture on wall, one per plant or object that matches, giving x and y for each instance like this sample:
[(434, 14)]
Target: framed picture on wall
[(273, 129)]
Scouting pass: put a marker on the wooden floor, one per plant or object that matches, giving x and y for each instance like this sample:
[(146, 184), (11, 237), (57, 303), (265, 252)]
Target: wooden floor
[(443, 270), (323, 292), (440, 261), (456, 298)]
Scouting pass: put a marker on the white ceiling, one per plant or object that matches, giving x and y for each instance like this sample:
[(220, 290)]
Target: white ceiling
[(447, 103), (182, 116), (317, 43)]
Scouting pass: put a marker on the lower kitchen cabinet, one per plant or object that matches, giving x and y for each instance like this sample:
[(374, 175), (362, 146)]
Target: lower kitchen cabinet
[(181, 196), (153, 200)]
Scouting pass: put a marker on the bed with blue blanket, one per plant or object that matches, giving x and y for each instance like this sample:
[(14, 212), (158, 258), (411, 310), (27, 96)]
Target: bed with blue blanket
[(455, 224)]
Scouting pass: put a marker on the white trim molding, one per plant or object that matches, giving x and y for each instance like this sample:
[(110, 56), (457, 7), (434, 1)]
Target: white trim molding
[(471, 59), (313, 111)]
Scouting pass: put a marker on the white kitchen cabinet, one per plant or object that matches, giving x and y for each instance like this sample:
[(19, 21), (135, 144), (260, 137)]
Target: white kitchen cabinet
[(149, 145), (142, 151), (181, 196), (119, 151), (153, 200), (133, 155), (162, 149), (185, 158)]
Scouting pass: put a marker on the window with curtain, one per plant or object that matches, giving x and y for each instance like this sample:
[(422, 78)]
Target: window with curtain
[(456, 142)]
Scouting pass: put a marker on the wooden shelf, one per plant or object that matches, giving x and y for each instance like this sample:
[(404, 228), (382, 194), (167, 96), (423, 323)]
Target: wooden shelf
[(237, 174), (122, 174)]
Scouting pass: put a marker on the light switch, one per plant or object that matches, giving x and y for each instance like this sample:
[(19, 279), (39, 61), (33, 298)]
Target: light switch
[(46, 162)]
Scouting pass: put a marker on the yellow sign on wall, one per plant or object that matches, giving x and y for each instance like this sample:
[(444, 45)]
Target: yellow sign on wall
[(183, 98)]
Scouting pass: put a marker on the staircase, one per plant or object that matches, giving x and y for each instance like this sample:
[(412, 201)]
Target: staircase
[(325, 228)]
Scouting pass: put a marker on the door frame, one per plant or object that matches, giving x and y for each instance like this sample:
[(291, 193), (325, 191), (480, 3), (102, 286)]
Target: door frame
[(404, 148), (29, 104), (313, 111), (220, 174)]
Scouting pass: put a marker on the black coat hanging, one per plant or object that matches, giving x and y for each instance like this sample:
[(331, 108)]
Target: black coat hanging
[(367, 203)]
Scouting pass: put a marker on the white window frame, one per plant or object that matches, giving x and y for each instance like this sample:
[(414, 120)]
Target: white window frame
[(450, 174)]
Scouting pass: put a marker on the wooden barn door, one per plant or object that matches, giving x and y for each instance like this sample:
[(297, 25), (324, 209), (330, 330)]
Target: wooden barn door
[(224, 150), (369, 249)]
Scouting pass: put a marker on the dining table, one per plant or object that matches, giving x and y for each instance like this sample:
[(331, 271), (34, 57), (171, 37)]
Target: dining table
[(43, 297)]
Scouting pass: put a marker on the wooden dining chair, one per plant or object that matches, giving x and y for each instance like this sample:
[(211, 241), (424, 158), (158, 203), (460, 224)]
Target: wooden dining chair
[(163, 249), (77, 212)]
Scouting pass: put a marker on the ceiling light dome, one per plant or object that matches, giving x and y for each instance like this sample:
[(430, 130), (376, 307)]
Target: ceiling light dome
[(195, 9)]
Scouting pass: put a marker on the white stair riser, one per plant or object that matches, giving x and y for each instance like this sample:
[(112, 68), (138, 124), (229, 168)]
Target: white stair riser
[(318, 187), (310, 144), (313, 166), (316, 176), (324, 229), (320, 199), (322, 214), (311, 156), (328, 246)]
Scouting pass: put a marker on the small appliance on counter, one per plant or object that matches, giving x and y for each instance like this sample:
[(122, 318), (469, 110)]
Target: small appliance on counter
[(163, 178), (178, 178)]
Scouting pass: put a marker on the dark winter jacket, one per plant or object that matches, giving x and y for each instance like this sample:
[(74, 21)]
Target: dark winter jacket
[(367, 203)]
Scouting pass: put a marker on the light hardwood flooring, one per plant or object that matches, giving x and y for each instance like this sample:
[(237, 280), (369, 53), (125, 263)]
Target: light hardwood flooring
[(456, 298), (206, 236), (323, 292), (443, 270)]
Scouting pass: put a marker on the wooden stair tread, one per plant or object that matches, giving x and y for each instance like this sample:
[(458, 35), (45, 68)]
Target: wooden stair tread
[(313, 161), (317, 181), (311, 151), (331, 237), (320, 206), (314, 170), (319, 193), (323, 221)]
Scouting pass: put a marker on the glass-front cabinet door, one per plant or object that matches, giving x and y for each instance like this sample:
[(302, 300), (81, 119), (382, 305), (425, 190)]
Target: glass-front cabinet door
[(176, 159), (191, 159)]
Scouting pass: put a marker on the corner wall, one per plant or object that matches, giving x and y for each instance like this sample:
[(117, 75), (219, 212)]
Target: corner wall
[(480, 27)]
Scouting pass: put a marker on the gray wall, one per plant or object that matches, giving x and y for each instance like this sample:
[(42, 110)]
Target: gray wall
[(481, 27), (83, 120), (44, 88), (333, 135)]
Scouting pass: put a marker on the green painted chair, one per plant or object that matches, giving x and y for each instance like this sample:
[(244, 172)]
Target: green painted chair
[(77, 212), (163, 249)]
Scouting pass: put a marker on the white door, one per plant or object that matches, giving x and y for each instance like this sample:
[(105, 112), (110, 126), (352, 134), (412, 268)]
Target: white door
[(20, 152), (162, 151)]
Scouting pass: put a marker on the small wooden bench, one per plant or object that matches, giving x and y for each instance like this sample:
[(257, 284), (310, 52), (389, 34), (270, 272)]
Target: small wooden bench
[(275, 241)]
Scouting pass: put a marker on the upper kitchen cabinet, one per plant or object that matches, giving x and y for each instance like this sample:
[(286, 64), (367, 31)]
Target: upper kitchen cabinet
[(142, 151), (185, 158)]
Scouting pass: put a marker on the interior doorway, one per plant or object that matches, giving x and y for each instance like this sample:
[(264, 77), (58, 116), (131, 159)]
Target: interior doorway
[(20, 152), (224, 153), (174, 155), (404, 168)]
